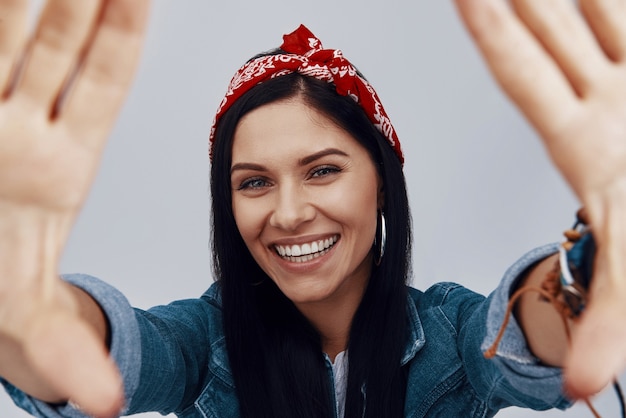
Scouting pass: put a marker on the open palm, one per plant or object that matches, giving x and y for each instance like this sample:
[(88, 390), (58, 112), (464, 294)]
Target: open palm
[(62, 88), (565, 68)]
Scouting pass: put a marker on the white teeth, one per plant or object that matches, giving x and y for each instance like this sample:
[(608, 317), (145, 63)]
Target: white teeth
[(305, 252)]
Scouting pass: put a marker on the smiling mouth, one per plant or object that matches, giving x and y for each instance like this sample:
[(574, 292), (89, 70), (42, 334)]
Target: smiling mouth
[(305, 252)]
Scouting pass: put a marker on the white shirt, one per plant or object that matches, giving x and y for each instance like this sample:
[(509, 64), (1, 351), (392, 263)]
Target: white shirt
[(340, 377)]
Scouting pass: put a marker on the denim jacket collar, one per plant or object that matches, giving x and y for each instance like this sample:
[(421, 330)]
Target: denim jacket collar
[(416, 339)]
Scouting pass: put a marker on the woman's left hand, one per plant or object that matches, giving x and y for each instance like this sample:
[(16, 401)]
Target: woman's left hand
[(565, 69)]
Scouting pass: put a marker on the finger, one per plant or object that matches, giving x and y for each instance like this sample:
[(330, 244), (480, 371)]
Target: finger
[(560, 28), (78, 366), (60, 35), (108, 70), (13, 14), (607, 19), (520, 64)]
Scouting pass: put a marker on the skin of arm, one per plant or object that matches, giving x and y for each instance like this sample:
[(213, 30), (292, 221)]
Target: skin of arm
[(542, 325)]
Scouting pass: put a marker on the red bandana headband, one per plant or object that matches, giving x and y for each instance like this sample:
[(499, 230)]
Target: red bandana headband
[(306, 56)]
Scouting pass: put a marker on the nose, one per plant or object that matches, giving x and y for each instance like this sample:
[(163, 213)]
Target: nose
[(292, 208)]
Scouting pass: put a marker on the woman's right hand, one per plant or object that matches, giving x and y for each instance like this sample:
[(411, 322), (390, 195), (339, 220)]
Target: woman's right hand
[(74, 72)]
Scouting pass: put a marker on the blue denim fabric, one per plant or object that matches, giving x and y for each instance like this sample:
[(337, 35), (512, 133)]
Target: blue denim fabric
[(173, 358)]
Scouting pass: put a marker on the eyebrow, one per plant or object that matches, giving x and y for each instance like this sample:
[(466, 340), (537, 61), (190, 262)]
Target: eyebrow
[(247, 166), (323, 153), (303, 161)]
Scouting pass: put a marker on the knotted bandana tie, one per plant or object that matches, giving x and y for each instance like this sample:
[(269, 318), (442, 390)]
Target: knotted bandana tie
[(305, 55)]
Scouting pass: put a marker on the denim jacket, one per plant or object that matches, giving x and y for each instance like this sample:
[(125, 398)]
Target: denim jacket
[(173, 358)]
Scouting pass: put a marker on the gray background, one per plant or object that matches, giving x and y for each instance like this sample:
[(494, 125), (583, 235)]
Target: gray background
[(481, 188)]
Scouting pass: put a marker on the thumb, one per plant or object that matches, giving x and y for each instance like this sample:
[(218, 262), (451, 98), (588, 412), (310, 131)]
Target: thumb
[(598, 350), (73, 360), (597, 353)]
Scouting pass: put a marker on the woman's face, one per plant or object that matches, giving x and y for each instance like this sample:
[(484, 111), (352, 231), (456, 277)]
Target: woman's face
[(305, 198)]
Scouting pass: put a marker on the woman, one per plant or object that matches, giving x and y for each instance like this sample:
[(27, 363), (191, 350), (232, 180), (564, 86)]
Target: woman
[(272, 191)]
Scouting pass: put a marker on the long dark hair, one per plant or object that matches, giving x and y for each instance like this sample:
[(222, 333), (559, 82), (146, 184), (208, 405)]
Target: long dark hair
[(275, 354)]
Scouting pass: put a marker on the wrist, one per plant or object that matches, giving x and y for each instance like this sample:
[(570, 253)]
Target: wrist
[(605, 205)]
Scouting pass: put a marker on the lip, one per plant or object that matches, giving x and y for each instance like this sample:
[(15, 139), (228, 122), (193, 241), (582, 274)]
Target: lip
[(308, 265)]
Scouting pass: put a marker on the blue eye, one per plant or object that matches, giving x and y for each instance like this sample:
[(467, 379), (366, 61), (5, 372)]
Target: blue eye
[(324, 171), (254, 183)]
